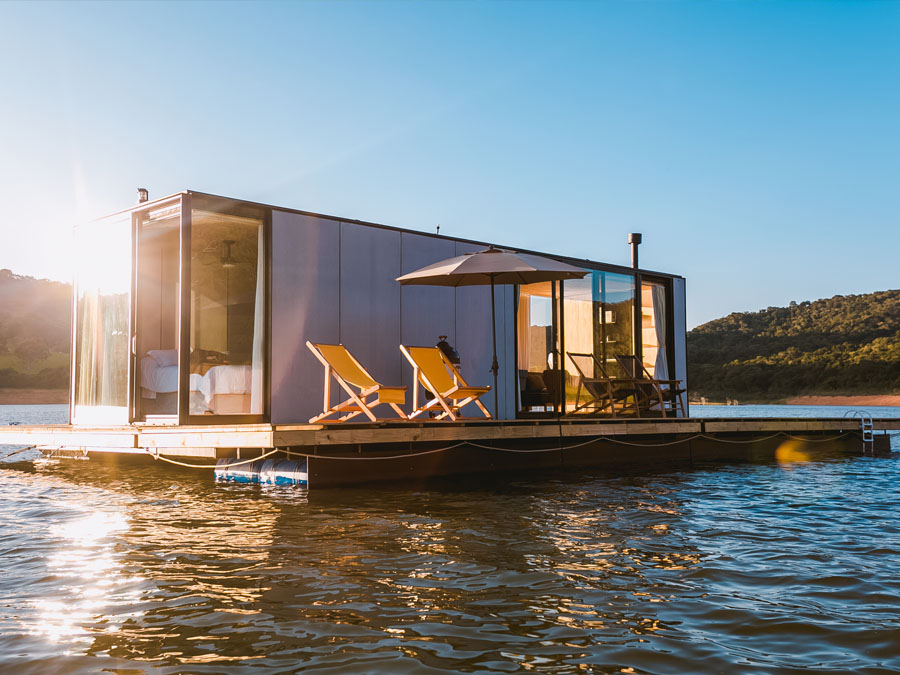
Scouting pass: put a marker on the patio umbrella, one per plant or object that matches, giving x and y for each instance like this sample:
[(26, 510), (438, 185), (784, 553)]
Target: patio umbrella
[(492, 266)]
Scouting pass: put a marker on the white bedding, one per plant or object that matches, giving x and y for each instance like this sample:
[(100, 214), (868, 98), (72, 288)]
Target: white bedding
[(196, 379), (219, 380), (163, 379), (225, 380), (157, 379)]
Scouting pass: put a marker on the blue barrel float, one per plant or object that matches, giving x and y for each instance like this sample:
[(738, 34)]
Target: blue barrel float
[(265, 471)]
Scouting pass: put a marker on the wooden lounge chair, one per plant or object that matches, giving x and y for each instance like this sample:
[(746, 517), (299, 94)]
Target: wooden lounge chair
[(349, 373), (604, 391), (433, 370), (668, 393)]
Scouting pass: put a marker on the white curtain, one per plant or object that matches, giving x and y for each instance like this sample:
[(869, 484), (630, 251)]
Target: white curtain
[(523, 318), (259, 315), (661, 371)]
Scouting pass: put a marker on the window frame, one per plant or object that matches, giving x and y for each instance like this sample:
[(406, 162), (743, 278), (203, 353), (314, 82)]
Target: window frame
[(184, 415), (638, 277)]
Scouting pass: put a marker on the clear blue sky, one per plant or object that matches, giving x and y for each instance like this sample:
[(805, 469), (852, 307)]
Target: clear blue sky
[(755, 145)]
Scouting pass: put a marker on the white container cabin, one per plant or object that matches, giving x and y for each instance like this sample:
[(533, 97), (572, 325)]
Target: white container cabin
[(195, 309)]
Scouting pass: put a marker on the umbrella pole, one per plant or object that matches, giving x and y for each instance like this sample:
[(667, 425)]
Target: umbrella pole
[(494, 365)]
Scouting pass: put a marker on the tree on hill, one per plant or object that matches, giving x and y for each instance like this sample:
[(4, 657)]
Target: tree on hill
[(840, 345), (35, 331)]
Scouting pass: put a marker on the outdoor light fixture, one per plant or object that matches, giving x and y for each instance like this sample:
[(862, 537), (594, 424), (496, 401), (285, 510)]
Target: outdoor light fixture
[(143, 195)]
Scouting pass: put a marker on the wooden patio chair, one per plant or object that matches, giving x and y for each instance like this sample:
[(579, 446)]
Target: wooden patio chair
[(434, 371), (348, 372), (668, 393), (604, 391)]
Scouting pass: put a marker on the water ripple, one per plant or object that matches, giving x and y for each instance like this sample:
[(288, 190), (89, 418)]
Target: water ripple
[(761, 567)]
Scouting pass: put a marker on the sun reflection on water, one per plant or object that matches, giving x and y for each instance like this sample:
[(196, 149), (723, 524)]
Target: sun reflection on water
[(87, 568)]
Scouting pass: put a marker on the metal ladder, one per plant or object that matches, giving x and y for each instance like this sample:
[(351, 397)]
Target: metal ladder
[(866, 427), (868, 433)]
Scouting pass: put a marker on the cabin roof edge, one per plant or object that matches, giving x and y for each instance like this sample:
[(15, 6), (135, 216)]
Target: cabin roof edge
[(355, 221)]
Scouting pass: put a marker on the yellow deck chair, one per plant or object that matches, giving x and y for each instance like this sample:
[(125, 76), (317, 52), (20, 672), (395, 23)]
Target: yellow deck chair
[(433, 370), (348, 372)]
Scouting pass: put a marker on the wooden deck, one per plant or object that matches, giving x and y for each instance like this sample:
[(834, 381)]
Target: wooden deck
[(405, 450), (210, 441)]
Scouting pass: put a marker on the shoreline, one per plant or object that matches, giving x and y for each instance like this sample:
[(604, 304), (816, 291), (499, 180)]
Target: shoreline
[(10, 396), (877, 400), (862, 399)]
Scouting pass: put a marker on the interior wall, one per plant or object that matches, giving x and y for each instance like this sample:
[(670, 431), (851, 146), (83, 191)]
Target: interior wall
[(223, 297), (158, 281)]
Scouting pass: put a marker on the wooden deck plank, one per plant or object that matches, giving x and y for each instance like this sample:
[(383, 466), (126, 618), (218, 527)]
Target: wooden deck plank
[(206, 439), (438, 432), (66, 435), (236, 438), (799, 424)]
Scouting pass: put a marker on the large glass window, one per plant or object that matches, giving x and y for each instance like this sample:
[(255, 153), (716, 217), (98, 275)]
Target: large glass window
[(156, 310), (537, 353), (103, 252), (616, 320), (227, 311), (598, 324), (653, 329), (562, 338)]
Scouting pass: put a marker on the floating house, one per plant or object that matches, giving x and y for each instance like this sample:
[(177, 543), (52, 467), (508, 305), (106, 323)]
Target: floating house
[(201, 337), (195, 309)]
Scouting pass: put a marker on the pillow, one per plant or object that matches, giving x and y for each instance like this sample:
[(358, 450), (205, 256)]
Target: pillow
[(164, 357)]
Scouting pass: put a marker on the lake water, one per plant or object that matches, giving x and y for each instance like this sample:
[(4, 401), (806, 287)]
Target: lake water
[(765, 568)]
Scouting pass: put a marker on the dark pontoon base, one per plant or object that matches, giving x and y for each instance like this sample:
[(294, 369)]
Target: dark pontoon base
[(391, 451)]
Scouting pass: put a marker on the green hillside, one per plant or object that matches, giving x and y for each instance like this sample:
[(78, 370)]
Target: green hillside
[(35, 328), (848, 344)]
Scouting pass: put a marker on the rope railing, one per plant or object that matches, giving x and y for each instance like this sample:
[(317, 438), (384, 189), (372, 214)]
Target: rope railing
[(209, 466), (611, 439)]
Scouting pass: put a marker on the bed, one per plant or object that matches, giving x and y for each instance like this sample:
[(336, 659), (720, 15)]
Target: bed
[(220, 390), (226, 389)]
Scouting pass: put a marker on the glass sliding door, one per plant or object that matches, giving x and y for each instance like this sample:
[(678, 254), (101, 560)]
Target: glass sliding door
[(538, 372), (227, 308), (570, 330), (158, 276), (582, 331), (101, 354), (597, 318), (617, 319)]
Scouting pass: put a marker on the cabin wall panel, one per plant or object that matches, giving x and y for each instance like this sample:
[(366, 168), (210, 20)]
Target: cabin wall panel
[(473, 339), (335, 282), (426, 311), (679, 317), (305, 306), (370, 301)]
